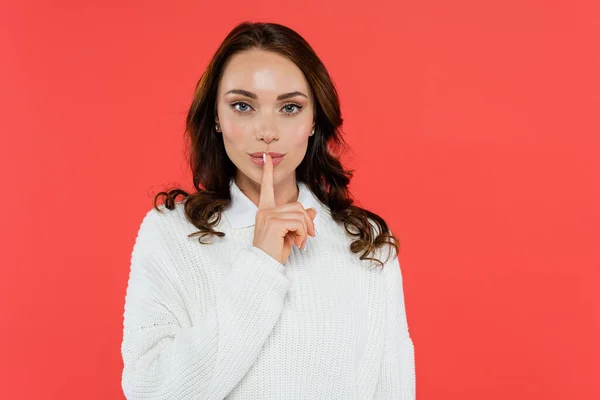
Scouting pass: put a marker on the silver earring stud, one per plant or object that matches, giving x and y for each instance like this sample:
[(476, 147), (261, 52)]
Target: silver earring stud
[(217, 127), (312, 132)]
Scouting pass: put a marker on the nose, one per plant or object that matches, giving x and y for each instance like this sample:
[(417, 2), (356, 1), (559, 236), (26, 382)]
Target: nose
[(267, 131)]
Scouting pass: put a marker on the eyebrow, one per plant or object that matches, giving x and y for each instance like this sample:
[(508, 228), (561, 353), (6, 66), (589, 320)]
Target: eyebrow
[(254, 96)]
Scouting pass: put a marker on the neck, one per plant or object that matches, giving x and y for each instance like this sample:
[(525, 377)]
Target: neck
[(286, 191)]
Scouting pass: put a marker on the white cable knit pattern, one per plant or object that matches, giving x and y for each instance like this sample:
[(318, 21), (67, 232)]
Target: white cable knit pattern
[(226, 320)]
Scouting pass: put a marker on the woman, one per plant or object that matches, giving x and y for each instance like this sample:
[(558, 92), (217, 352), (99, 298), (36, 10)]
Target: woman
[(261, 284)]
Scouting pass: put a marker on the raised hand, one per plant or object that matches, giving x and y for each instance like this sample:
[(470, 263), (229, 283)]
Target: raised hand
[(278, 228)]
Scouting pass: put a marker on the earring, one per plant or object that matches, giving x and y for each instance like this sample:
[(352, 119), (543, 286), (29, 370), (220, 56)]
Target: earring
[(217, 127), (312, 132)]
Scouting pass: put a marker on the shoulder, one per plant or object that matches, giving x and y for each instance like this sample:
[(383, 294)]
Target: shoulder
[(161, 218), (161, 226), (171, 228)]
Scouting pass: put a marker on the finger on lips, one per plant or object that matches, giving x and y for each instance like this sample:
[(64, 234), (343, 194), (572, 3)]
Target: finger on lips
[(267, 193), (267, 200)]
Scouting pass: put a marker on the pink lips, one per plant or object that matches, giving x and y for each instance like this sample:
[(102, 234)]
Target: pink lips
[(257, 158), (271, 153)]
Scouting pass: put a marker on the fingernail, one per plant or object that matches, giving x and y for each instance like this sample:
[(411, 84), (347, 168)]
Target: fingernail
[(305, 245)]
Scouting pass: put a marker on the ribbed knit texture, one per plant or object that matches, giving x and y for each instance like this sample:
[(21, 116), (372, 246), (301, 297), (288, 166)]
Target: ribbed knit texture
[(226, 320)]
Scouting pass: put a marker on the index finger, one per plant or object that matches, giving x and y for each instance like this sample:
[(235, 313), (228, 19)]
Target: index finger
[(267, 193)]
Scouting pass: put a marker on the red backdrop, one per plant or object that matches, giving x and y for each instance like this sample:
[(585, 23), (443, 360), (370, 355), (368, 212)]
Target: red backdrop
[(475, 134)]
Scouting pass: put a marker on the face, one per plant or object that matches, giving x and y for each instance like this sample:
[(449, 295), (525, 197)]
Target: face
[(264, 105)]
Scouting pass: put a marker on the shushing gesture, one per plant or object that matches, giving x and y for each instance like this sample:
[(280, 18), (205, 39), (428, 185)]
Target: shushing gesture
[(278, 228)]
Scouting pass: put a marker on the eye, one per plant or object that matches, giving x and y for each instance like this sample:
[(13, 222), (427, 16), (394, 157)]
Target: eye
[(292, 107), (243, 107)]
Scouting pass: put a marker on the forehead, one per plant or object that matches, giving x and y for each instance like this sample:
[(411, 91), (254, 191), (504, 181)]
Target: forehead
[(262, 72)]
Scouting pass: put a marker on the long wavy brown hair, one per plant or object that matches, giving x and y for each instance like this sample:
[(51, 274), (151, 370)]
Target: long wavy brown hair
[(320, 169)]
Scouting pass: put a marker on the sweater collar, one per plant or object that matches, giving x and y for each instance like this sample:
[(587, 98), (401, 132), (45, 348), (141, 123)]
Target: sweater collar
[(241, 212)]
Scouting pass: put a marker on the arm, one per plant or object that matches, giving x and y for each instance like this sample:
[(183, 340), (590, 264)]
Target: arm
[(165, 356), (397, 376)]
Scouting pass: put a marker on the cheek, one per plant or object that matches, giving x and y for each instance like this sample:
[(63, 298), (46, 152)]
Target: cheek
[(298, 135), (235, 135), (297, 143)]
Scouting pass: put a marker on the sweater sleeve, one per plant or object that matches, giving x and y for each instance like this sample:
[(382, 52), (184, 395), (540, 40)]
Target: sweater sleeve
[(397, 375), (165, 355)]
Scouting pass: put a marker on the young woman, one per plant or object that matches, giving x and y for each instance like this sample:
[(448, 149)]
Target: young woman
[(267, 282)]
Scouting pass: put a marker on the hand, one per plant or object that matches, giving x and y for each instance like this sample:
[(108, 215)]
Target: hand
[(278, 228)]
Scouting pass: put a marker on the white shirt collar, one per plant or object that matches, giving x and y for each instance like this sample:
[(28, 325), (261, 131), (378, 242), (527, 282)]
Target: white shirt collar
[(241, 212)]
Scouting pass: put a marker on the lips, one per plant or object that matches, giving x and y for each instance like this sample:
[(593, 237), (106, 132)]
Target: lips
[(259, 154), (257, 158)]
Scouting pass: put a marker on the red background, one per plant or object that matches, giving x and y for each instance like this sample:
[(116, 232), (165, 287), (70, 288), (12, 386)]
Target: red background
[(475, 134)]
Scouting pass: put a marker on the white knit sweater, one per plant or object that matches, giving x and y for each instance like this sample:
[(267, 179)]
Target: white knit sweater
[(226, 320)]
